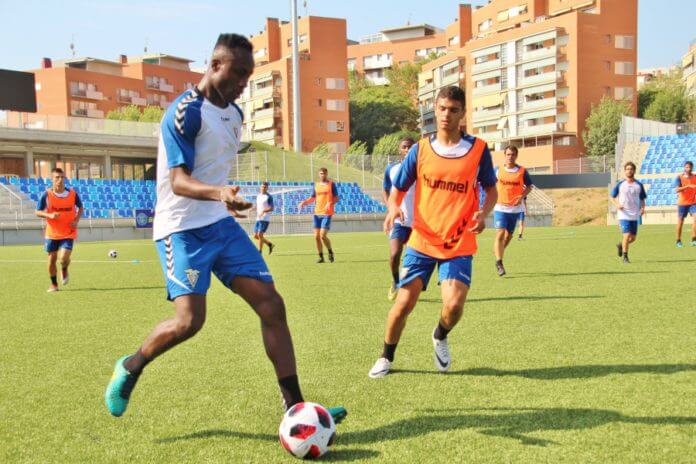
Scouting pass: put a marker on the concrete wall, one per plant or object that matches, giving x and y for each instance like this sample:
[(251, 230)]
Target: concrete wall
[(559, 181)]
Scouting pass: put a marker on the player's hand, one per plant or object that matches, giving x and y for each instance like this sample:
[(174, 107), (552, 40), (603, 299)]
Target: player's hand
[(73, 225), (518, 202), (642, 211), (479, 223), (54, 215), (234, 204), (620, 208), (392, 215)]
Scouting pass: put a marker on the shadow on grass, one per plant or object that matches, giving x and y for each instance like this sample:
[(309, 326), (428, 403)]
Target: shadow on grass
[(520, 298), (671, 261), (527, 275), (512, 423), (112, 289), (566, 372)]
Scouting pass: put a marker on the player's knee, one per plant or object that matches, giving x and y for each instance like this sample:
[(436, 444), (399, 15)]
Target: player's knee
[(271, 309), (64, 262), (453, 310), (187, 326)]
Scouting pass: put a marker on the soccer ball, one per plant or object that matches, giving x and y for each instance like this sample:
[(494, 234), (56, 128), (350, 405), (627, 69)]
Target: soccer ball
[(307, 430), (113, 254)]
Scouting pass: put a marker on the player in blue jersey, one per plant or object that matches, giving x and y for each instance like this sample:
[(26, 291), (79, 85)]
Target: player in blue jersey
[(264, 207), (196, 236), (628, 196), (401, 231)]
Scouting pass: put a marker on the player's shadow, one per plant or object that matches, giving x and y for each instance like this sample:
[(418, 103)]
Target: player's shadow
[(521, 298), (565, 372), (513, 423), (112, 289), (528, 275)]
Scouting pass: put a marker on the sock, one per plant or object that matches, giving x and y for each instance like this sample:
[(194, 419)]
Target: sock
[(625, 254), (693, 239), (499, 262), (136, 363), (65, 270), (440, 331), (54, 280), (388, 351), (290, 390), (330, 251), (321, 255)]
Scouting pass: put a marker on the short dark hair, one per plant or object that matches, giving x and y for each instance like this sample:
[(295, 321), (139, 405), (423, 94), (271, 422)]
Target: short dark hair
[(232, 41), (264, 183), (630, 163), (408, 139), (57, 171), (324, 170), (453, 93), (512, 148), (690, 163)]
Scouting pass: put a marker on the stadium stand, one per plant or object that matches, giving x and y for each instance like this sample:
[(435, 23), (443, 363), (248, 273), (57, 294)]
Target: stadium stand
[(664, 159), (104, 198)]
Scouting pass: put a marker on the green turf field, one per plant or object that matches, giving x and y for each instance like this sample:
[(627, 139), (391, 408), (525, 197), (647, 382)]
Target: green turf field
[(573, 357)]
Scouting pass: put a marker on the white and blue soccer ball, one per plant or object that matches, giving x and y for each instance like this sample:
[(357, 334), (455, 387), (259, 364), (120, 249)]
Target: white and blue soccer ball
[(307, 430), (113, 254)]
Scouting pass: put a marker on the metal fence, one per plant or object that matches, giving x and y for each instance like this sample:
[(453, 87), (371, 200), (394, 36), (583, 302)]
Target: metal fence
[(32, 121)]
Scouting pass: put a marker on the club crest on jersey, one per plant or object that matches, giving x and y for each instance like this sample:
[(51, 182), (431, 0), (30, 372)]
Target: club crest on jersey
[(192, 276)]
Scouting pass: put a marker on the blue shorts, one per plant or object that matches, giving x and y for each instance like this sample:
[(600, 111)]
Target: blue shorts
[(223, 248), (629, 227), (417, 265), (51, 245), (261, 226), (322, 222), (684, 210), (521, 216), (507, 221), (400, 232)]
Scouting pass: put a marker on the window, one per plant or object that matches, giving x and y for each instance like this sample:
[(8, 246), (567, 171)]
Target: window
[(261, 52), (453, 41), (335, 83), (335, 126), (624, 68), (484, 26), (351, 64), (319, 102), (336, 105), (626, 42), (317, 80), (623, 93)]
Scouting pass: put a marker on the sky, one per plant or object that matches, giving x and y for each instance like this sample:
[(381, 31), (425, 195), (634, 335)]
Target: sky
[(33, 29)]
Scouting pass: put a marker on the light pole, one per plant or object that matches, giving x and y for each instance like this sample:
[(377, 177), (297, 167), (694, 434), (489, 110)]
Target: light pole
[(296, 119)]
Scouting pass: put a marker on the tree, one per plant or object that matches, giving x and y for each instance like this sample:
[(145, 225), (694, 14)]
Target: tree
[(152, 114), (387, 149), (603, 126), (356, 155), (665, 99), (132, 113), (403, 80)]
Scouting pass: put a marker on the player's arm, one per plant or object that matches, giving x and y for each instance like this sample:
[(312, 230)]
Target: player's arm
[(488, 179), (179, 143), (309, 200), (41, 208), (528, 186), (386, 186), (271, 207), (678, 187), (334, 194), (80, 210), (614, 195), (405, 178), (643, 197)]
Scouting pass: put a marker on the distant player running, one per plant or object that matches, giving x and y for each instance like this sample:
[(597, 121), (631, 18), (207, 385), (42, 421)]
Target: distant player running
[(62, 209), (402, 225), (325, 194), (196, 236), (685, 186), (264, 207), (514, 184), (446, 169), (628, 197)]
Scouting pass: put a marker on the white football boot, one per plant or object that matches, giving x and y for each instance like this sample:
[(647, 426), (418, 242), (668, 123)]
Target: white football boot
[(441, 355), (380, 369)]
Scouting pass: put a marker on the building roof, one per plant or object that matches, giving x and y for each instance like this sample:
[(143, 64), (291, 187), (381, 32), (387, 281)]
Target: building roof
[(86, 59), (409, 27), (149, 56)]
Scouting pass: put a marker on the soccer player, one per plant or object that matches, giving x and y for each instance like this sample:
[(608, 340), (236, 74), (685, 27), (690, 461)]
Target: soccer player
[(264, 206), (685, 186), (628, 197), (196, 236), (62, 209), (521, 218), (325, 194), (514, 184), (446, 169), (402, 225)]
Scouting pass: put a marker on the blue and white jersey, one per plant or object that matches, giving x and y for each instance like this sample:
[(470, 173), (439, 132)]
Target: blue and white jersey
[(263, 202), (204, 138), (407, 205), (629, 195)]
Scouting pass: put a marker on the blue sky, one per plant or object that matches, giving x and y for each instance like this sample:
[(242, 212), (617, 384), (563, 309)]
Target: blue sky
[(33, 29)]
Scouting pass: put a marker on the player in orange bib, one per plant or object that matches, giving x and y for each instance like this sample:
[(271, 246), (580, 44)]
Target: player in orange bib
[(325, 194), (62, 209), (446, 169), (514, 184), (685, 186)]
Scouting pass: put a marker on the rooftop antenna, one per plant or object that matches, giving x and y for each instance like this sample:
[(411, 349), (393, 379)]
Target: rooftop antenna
[(306, 10), (145, 48), (72, 45)]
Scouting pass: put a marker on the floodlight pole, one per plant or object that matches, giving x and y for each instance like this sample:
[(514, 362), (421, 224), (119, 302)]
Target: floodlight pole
[(296, 119)]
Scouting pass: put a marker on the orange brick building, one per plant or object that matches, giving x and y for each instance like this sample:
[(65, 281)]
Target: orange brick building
[(532, 70), (91, 87), (267, 100)]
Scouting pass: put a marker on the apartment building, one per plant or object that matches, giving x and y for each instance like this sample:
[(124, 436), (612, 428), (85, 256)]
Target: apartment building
[(267, 100), (688, 67), (91, 87), (396, 46), (533, 69)]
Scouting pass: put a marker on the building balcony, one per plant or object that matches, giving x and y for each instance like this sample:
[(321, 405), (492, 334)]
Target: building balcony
[(87, 113), (376, 63), (540, 129), (491, 136), (540, 53), (127, 99), (265, 113), (428, 128), (429, 87), (86, 93), (161, 86), (377, 80), (537, 104), (450, 79), (427, 108), (264, 135), (486, 66), (491, 88), (551, 76), (487, 114)]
